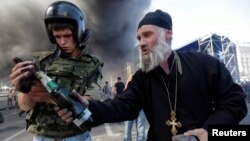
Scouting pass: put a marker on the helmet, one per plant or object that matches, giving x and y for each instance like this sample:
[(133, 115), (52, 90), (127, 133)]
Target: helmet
[(62, 11)]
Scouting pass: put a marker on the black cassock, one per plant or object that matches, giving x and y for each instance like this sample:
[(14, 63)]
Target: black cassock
[(206, 94)]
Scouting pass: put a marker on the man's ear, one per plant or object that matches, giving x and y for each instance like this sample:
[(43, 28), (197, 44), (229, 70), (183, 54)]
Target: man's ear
[(168, 34)]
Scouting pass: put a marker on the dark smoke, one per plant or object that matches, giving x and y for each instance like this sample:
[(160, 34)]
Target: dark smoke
[(113, 25)]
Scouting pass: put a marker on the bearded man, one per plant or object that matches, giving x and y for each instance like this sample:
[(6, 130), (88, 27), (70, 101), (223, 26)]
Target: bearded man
[(180, 92)]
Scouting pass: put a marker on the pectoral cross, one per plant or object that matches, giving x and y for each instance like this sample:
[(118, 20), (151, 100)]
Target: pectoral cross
[(173, 123)]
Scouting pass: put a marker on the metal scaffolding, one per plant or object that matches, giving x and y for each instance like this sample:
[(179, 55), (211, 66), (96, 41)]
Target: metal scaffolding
[(223, 49)]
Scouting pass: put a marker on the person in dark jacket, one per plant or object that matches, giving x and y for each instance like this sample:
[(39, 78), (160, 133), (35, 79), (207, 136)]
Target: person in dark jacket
[(180, 92), (119, 86)]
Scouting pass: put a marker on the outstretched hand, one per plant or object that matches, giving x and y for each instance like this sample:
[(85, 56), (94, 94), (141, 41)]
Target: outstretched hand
[(200, 133), (67, 115)]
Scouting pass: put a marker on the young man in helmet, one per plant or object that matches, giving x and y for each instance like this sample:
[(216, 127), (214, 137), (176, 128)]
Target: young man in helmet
[(69, 65)]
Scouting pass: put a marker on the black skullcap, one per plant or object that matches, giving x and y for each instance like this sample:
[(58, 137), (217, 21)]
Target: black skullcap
[(157, 18)]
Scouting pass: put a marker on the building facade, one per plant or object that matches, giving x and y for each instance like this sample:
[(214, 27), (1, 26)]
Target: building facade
[(243, 50)]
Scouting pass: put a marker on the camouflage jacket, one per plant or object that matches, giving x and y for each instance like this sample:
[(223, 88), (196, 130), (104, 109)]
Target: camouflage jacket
[(79, 73)]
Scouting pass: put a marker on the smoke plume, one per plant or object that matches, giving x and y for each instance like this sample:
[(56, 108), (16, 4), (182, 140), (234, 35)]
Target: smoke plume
[(113, 25)]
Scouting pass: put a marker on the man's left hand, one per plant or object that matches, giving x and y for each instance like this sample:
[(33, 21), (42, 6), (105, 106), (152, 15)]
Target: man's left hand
[(200, 133)]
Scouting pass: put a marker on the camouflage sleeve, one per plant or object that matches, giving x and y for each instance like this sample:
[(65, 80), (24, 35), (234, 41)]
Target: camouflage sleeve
[(95, 78)]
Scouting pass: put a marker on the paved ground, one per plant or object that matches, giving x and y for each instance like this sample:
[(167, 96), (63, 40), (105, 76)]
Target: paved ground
[(106, 132)]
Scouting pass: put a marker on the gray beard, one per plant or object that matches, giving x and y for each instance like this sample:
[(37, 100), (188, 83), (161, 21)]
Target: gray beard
[(155, 57)]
